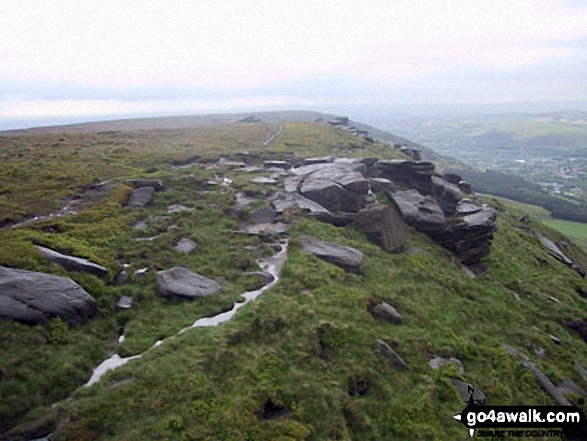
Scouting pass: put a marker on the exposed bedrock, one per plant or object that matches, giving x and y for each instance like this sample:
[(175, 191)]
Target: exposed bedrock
[(342, 191)]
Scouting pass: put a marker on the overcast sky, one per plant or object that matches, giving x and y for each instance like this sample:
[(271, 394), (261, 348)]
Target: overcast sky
[(75, 58)]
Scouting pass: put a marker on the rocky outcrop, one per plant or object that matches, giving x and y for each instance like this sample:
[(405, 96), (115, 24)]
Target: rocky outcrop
[(71, 263), (383, 225), (448, 195), (31, 297), (341, 191), (420, 211), (409, 174), (180, 283), (469, 236), (347, 258), (335, 187), (141, 197)]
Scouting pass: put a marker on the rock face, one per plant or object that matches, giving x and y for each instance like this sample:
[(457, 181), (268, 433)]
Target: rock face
[(141, 197), (469, 237), (347, 258), (447, 195), (180, 283), (383, 224), (71, 263), (341, 191), (411, 174), (31, 297), (419, 211)]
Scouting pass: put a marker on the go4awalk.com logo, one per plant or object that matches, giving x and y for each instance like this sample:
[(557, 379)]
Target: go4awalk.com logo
[(522, 421)]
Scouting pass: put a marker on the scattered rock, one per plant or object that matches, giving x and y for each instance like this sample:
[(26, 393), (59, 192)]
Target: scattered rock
[(263, 180), (185, 246), (465, 389), (177, 208), (391, 355), (347, 258), (71, 263), (182, 284), (141, 272), (265, 215), (437, 362), (386, 312), (267, 230), (124, 302), (141, 197), (540, 377), (121, 278), (277, 164), (141, 225), (31, 297)]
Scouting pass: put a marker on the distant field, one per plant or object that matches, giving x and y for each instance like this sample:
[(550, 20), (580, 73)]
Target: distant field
[(577, 231)]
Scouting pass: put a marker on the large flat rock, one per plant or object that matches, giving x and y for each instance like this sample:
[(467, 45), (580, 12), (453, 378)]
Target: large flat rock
[(31, 297), (180, 283), (347, 258), (71, 263)]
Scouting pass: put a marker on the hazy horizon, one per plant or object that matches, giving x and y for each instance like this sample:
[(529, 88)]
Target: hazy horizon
[(66, 62)]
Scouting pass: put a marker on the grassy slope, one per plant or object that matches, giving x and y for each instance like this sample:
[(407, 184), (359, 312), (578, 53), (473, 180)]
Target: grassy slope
[(577, 231), (303, 344)]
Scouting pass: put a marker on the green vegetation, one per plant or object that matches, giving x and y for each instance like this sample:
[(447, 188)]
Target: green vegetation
[(299, 363), (577, 231)]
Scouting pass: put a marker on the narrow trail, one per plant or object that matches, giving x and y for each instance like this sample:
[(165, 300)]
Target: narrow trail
[(276, 131), (272, 265)]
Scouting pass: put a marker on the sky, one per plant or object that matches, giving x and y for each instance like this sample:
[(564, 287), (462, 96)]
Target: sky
[(70, 60)]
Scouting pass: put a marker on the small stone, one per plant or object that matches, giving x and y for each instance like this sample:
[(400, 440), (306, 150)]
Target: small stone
[(124, 302), (185, 246)]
